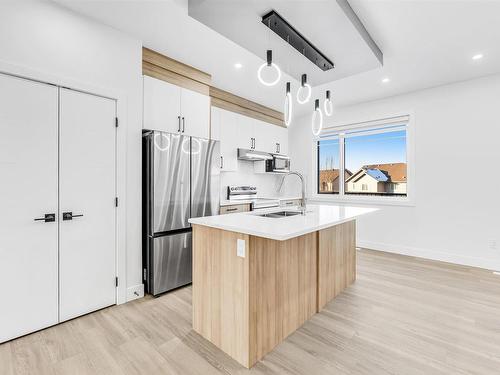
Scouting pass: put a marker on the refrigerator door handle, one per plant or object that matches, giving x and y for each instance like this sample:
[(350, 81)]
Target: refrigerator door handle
[(179, 124), (183, 124)]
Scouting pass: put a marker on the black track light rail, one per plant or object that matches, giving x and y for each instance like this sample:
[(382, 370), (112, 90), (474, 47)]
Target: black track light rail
[(288, 33)]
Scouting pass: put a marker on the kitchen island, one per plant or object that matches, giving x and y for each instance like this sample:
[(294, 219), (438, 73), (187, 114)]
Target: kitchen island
[(258, 276)]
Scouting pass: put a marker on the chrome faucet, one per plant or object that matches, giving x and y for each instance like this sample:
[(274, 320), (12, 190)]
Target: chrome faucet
[(303, 199)]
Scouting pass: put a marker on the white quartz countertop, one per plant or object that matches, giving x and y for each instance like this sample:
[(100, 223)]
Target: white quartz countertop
[(317, 217)]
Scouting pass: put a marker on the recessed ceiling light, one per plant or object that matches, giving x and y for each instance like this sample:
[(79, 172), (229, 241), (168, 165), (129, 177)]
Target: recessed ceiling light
[(238, 65), (385, 80), (479, 56)]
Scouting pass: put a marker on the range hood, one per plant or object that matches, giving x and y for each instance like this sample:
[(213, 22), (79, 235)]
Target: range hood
[(252, 155)]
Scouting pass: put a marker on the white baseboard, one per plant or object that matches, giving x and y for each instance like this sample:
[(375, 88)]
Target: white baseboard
[(489, 264), (134, 292)]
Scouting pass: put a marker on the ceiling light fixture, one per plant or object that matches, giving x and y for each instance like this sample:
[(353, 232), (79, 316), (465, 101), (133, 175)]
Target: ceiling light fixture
[(287, 32), (304, 84), (287, 107), (269, 63), (328, 104), (479, 56), (238, 65), (385, 80), (317, 117)]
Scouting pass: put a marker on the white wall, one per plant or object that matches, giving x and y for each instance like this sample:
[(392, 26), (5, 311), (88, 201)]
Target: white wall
[(457, 140), (45, 37)]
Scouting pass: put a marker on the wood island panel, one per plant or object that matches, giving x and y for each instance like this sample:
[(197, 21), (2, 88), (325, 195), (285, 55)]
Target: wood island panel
[(248, 305), (282, 289), (221, 291), (336, 261)]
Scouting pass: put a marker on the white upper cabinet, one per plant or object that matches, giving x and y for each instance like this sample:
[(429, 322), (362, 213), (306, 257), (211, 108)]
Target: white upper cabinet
[(162, 105), (281, 140), (173, 109), (223, 129), (246, 134), (215, 116), (195, 113), (237, 131)]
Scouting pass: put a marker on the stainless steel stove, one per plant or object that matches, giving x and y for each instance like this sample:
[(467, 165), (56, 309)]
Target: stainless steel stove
[(239, 193)]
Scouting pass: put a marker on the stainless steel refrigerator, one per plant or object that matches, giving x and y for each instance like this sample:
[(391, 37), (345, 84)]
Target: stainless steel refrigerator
[(180, 180)]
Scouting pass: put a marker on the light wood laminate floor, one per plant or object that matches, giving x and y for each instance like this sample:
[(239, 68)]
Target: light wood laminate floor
[(403, 315)]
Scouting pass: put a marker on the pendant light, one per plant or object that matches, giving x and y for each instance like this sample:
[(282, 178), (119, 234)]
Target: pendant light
[(287, 106), (269, 64), (317, 119), (304, 86), (328, 105)]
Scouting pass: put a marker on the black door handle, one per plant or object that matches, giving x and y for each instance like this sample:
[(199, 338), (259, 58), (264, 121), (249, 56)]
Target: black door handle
[(179, 127), (48, 218), (183, 124), (70, 216)]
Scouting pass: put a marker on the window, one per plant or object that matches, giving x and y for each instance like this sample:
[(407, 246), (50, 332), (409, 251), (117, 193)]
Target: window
[(364, 161), (328, 166)]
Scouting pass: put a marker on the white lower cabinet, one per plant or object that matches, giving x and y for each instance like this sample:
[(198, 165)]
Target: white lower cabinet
[(57, 156)]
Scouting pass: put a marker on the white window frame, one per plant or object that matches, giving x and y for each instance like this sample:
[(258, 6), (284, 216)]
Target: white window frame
[(341, 197)]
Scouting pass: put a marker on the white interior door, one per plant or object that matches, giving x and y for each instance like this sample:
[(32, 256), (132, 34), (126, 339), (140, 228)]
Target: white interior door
[(28, 190), (86, 187)]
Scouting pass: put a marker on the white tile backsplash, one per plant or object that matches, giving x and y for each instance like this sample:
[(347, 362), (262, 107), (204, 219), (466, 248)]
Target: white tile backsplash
[(266, 183)]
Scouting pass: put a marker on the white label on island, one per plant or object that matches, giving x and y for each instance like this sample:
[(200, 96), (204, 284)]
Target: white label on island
[(240, 248)]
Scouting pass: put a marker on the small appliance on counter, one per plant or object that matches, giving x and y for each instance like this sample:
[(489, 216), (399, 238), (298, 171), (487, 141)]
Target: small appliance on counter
[(249, 193), (180, 180)]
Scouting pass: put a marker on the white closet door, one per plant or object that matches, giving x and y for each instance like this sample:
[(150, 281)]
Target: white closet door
[(28, 190), (86, 187)]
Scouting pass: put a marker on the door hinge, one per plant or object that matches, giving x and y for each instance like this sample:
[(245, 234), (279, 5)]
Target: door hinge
[(116, 122), (116, 201), (116, 282), (144, 275)]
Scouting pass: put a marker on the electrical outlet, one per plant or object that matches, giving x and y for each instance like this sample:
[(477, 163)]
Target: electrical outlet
[(492, 244), (240, 248)]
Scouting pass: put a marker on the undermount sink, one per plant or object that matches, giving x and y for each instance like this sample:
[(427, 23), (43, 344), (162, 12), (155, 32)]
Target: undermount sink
[(281, 214)]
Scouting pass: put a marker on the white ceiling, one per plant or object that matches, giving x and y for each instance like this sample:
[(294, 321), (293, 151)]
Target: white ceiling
[(425, 44), (328, 25)]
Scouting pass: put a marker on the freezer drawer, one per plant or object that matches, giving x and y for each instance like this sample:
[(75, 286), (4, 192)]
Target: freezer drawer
[(171, 262)]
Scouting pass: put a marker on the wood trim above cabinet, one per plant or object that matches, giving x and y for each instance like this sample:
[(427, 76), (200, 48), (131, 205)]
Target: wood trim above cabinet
[(162, 67), (230, 102)]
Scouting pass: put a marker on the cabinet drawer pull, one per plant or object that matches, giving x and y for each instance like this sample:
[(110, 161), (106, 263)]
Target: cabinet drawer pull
[(231, 209), (222, 161)]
